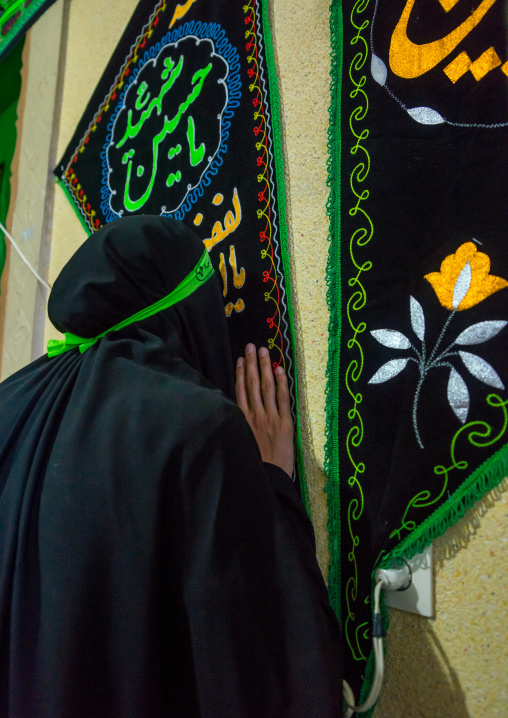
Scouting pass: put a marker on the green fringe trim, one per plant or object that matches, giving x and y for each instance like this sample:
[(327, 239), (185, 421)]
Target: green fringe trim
[(485, 478), (275, 116), (334, 299)]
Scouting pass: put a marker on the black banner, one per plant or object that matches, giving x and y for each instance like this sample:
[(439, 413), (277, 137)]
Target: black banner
[(419, 283), (185, 123)]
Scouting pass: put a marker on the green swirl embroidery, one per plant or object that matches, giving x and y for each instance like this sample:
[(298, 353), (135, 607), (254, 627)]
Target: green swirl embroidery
[(355, 303), (479, 434)]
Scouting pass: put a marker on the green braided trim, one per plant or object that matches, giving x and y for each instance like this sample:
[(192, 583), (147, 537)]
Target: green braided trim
[(334, 299), (485, 478), (275, 115)]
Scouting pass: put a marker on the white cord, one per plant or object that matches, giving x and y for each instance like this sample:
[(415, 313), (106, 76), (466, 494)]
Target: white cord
[(25, 260), (379, 669)]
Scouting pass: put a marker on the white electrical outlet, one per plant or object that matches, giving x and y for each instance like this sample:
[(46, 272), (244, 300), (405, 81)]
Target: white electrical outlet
[(419, 597)]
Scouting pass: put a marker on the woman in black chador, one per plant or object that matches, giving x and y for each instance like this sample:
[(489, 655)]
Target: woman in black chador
[(152, 563)]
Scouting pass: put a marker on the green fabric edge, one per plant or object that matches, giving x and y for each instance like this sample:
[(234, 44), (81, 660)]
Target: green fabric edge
[(485, 478), (334, 300), (5, 197), (17, 30), (275, 117), (59, 181)]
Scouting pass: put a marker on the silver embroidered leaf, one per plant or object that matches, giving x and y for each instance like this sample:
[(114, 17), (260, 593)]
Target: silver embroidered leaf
[(378, 69), (388, 370), (479, 333), (481, 369), (417, 318), (391, 338), (425, 115), (462, 285), (458, 395)]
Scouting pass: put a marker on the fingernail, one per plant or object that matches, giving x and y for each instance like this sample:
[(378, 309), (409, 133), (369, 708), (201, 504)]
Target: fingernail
[(249, 348), (239, 361), (279, 370), (263, 352)]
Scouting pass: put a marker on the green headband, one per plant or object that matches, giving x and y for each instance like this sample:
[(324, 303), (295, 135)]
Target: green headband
[(198, 276)]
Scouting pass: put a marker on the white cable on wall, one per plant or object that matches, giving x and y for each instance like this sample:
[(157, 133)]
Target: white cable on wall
[(393, 579), (25, 260)]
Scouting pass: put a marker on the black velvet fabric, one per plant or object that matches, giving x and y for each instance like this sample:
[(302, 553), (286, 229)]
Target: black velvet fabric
[(150, 564), (229, 195), (421, 373)]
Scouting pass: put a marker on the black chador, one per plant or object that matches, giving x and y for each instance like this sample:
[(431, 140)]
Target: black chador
[(150, 564)]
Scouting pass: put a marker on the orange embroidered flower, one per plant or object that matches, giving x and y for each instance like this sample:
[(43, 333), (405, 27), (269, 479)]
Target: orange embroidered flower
[(482, 284)]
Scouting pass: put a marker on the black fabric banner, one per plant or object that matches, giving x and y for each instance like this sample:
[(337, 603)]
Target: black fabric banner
[(185, 123), (418, 283)]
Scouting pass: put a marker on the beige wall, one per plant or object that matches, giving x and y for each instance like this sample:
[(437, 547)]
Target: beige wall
[(450, 667)]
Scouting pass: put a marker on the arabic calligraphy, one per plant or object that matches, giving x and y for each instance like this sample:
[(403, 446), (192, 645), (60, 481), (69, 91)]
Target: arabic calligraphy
[(238, 306), (448, 4), (458, 67), (173, 72), (231, 222), (220, 231), (238, 275), (168, 127), (161, 147), (196, 153), (180, 11), (223, 274), (238, 281), (411, 65), (410, 60)]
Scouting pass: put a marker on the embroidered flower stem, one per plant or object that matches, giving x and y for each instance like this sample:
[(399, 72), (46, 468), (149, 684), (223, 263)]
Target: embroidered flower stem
[(415, 405), (440, 337), (455, 297)]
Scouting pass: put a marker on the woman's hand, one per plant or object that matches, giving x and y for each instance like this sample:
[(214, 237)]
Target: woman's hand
[(266, 410)]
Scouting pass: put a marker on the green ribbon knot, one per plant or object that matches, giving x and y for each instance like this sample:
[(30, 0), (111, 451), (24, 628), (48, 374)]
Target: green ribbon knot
[(198, 276)]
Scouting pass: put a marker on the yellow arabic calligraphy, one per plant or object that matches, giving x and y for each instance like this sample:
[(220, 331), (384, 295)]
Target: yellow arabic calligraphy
[(180, 11), (239, 306), (231, 222), (238, 276), (448, 4), (410, 60), (223, 274)]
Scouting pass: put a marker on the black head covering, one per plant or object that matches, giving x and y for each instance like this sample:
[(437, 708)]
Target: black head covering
[(150, 566), (129, 265)]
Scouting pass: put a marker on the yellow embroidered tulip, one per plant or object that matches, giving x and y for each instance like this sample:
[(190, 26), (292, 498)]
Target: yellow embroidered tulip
[(482, 285)]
